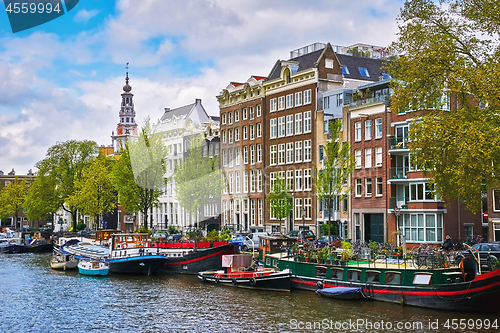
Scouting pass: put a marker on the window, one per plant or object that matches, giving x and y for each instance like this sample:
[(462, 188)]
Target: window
[(245, 114), (223, 139), (321, 153), (245, 181), (307, 121), (272, 105), (308, 207), (273, 133), (289, 153), (420, 227), (289, 101), (298, 208), (252, 182), (273, 155), (378, 156), (289, 179), (281, 103), (250, 113), (245, 133), (359, 187), (368, 158), (236, 115), (230, 181), (237, 182), (237, 156), (259, 111), (307, 96), (357, 131), (229, 118), (372, 277), (259, 180), (230, 157), (354, 275), (364, 72), (259, 153), (259, 130), (328, 63), (298, 151), (298, 98), (281, 126), (223, 119), (422, 191), (496, 200), (245, 154), (379, 187), (307, 151), (281, 153), (393, 278), (307, 180), (272, 178), (326, 102), (368, 187), (252, 154), (298, 123), (345, 70), (357, 156), (298, 180), (252, 132), (236, 134), (378, 128), (230, 135), (368, 129), (289, 124)]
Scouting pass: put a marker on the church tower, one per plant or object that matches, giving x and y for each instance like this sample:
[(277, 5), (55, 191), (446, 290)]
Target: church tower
[(127, 126)]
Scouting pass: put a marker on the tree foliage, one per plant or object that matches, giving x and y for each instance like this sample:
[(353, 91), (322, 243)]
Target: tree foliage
[(450, 48), (95, 193), (138, 176), (198, 180), (280, 200), (64, 165), (42, 198), (338, 164), (12, 198)]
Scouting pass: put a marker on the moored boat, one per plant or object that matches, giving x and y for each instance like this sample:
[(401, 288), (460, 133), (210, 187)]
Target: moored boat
[(61, 261), (447, 288), (238, 272), (93, 267), (341, 292)]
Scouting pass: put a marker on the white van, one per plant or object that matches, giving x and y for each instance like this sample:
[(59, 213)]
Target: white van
[(254, 237)]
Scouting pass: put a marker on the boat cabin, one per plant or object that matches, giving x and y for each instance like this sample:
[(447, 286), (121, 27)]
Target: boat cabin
[(124, 241), (274, 243)]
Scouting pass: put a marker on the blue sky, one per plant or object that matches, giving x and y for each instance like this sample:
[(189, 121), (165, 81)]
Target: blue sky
[(62, 80)]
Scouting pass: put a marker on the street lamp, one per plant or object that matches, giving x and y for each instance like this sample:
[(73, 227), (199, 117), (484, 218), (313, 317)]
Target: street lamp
[(397, 212), (303, 221)]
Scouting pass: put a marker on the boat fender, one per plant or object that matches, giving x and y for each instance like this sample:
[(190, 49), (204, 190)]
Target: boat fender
[(204, 278), (217, 280), (252, 281), (233, 282), (320, 285)]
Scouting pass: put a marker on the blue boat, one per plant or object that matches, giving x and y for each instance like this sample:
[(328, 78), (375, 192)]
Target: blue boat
[(341, 292), (93, 267)]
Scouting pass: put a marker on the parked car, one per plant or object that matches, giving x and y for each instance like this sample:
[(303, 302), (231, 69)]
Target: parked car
[(254, 236), (174, 238), (302, 235), (241, 242), (484, 249), (322, 241)]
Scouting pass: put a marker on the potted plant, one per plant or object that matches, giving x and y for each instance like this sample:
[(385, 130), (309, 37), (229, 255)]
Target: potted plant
[(374, 247), (301, 256), (346, 252)]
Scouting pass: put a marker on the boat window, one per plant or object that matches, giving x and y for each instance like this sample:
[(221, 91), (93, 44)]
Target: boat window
[(372, 277), (275, 263), (321, 272), (393, 278), (268, 261), (338, 274), (354, 275), (423, 279)]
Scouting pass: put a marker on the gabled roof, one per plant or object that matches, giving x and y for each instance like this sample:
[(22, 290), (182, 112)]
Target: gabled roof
[(179, 112), (305, 61), (372, 65), (196, 112)]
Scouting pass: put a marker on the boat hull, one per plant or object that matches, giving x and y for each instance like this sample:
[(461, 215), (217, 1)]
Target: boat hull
[(146, 265), (341, 293), (43, 248), (200, 260), (13, 248), (93, 272), (63, 266), (478, 295), (275, 281)]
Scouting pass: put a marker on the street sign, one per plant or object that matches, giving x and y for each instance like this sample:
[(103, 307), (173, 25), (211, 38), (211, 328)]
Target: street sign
[(485, 215)]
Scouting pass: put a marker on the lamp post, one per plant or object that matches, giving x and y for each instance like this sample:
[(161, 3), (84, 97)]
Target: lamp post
[(397, 212), (303, 221)]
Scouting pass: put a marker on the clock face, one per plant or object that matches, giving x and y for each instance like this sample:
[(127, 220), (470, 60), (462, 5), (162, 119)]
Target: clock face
[(120, 130)]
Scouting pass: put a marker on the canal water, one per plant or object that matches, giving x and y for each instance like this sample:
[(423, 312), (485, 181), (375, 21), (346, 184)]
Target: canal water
[(34, 298)]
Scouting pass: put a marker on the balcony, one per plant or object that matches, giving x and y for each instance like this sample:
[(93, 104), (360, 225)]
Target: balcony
[(396, 143), (376, 99), (398, 172), (401, 202)]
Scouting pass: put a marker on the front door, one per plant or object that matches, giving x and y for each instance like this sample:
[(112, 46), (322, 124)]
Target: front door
[(374, 227)]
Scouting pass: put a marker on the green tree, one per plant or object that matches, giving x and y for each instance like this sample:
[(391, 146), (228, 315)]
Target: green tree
[(95, 193), (280, 200), (64, 165), (138, 176), (12, 198), (450, 49), (43, 186), (338, 163), (198, 180)]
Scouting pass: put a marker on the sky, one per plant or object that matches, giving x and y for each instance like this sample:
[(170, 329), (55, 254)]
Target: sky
[(62, 80)]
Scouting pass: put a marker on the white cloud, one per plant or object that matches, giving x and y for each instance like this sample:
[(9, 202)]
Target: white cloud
[(83, 16)]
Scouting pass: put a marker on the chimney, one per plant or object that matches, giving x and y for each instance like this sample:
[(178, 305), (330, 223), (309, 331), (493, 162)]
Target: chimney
[(166, 109), (198, 101)]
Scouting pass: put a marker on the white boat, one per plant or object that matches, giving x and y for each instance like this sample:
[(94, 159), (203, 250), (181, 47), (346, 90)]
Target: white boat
[(61, 261), (93, 267)]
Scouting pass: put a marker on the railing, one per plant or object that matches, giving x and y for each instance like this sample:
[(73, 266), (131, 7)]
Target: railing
[(397, 143), (376, 99), (401, 202), (398, 172)]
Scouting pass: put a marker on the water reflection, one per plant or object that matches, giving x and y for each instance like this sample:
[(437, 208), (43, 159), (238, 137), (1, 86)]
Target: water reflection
[(38, 299)]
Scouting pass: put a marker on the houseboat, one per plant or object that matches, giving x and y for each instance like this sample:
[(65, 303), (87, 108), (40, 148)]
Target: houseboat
[(393, 280)]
